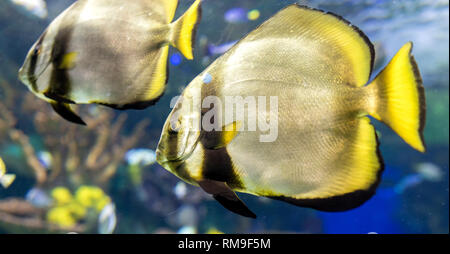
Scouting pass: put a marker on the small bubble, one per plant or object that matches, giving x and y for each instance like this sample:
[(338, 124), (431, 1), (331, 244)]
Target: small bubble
[(207, 78)]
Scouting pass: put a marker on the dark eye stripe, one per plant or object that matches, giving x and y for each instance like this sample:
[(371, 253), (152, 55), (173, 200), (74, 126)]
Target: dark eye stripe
[(172, 139), (33, 62)]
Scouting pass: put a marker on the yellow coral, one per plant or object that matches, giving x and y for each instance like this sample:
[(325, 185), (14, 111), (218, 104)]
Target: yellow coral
[(92, 196), (68, 210), (102, 203), (61, 216), (77, 210), (61, 195)]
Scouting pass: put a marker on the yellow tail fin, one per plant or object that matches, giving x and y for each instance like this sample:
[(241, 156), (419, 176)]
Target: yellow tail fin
[(399, 98), (183, 30)]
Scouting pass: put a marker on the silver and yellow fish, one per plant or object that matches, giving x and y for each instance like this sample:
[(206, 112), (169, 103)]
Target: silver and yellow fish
[(109, 52), (5, 179), (326, 154)]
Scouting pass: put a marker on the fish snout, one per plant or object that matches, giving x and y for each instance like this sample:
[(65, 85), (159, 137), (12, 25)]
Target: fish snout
[(160, 158), (23, 77)]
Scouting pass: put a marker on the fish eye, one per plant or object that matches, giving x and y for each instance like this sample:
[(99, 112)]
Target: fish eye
[(37, 50), (175, 127)]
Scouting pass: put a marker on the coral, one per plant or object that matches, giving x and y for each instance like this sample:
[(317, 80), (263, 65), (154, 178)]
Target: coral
[(61, 216), (91, 196), (19, 216), (68, 211), (61, 196), (80, 156)]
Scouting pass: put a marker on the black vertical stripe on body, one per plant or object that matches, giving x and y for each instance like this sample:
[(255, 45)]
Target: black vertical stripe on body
[(171, 144), (217, 165), (59, 80), (60, 85)]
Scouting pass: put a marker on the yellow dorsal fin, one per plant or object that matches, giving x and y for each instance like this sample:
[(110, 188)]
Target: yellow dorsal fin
[(339, 51), (170, 6)]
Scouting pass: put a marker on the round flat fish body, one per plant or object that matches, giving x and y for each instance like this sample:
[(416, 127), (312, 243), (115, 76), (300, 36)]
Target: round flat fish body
[(323, 152), (117, 49)]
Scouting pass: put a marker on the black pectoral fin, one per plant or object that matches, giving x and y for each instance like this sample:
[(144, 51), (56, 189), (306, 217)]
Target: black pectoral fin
[(226, 197), (66, 112)]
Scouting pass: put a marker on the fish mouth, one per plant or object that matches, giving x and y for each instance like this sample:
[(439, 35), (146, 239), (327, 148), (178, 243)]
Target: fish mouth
[(161, 159), (22, 75)]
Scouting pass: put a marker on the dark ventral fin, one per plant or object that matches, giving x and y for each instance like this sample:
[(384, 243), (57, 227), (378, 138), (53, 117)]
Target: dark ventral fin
[(226, 197), (66, 112)]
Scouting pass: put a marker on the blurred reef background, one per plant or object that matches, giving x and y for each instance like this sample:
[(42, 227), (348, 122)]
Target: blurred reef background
[(103, 178)]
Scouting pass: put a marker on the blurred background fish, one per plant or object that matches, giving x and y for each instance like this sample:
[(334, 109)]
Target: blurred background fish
[(34, 8), (425, 171), (140, 156), (38, 197), (214, 50), (239, 15), (5, 179), (88, 55), (107, 219)]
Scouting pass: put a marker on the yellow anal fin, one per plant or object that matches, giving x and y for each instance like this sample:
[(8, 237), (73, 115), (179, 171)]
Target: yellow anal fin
[(356, 172), (183, 30), (398, 98), (159, 76)]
